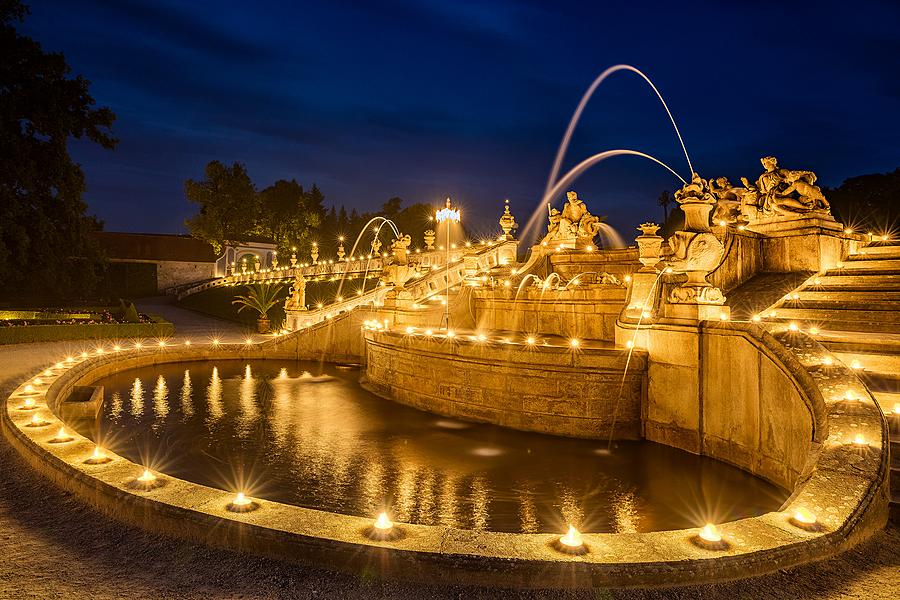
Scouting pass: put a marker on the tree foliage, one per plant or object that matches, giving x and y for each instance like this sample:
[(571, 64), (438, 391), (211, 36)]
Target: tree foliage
[(232, 210), (868, 202), (46, 243)]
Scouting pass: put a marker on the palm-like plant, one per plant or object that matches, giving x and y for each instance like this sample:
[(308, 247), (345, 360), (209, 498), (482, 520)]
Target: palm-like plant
[(262, 298)]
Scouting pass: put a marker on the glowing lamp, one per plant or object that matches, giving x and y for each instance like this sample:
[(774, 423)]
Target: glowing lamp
[(29, 403), (410, 330), (84, 355), (856, 365), (827, 361), (241, 503), (723, 316), (710, 538), (162, 343), (138, 345), (756, 318), (429, 332), (98, 457), (215, 342), (450, 333), (574, 342), (248, 341), (860, 440), (793, 327), (29, 389), (530, 341), (187, 342), (814, 331), (48, 373), (117, 347), (147, 477), (571, 543), (383, 523), (629, 344)]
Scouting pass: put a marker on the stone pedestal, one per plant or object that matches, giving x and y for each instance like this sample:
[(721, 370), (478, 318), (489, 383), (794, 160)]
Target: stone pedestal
[(812, 242)]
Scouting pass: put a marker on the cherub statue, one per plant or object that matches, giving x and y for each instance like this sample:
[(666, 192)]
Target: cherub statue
[(728, 200)]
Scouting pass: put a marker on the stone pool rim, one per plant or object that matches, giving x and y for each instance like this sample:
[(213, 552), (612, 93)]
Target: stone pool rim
[(436, 554)]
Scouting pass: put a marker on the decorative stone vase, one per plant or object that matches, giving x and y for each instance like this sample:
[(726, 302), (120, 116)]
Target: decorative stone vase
[(293, 258), (314, 253), (429, 239), (507, 222), (649, 245)]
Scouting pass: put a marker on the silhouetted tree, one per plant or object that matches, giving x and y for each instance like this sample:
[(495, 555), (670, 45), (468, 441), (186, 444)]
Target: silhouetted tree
[(46, 242), (867, 202), (664, 200), (228, 205)]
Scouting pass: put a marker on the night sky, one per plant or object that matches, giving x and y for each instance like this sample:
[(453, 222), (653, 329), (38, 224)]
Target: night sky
[(424, 99)]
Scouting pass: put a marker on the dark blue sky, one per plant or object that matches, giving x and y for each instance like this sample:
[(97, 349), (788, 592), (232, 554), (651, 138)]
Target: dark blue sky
[(424, 99)]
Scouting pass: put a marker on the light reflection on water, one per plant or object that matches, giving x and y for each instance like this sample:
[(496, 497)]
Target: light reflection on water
[(332, 445)]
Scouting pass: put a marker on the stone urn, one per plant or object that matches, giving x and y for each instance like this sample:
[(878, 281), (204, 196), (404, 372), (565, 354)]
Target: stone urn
[(649, 245), (429, 239), (293, 257), (341, 252), (507, 222), (314, 253)]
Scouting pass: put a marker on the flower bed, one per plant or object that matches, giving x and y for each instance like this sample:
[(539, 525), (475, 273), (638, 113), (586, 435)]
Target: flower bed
[(17, 327)]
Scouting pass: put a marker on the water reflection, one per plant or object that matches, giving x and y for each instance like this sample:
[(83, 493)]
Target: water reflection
[(332, 445)]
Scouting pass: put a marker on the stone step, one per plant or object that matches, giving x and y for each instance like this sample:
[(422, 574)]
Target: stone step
[(846, 324), (841, 301), (827, 317), (859, 262), (836, 294), (863, 279), (883, 251)]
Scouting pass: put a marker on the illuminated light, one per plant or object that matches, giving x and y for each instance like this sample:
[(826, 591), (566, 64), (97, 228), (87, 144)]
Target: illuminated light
[(187, 342), (813, 331), (84, 355), (319, 305), (507, 283), (69, 359), (481, 337), (848, 231), (450, 333), (147, 477), (138, 345), (897, 408), (827, 361), (38, 381), (383, 523), (100, 351), (849, 395), (795, 296), (710, 533), (805, 519), (885, 238), (572, 542), (215, 342), (590, 248), (742, 227), (794, 327), (722, 223), (839, 264), (339, 299), (29, 403), (856, 365), (98, 457), (645, 314), (29, 389), (670, 270), (248, 341), (37, 421), (756, 318), (629, 344), (48, 373), (61, 436), (429, 332), (162, 343), (723, 316), (859, 440), (817, 281), (530, 341), (241, 503), (574, 342), (627, 278), (59, 365), (773, 314), (410, 330)]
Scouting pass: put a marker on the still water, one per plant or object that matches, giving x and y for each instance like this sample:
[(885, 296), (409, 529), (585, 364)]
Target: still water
[(272, 429)]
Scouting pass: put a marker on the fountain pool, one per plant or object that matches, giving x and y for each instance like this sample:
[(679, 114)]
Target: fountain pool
[(327, 443)]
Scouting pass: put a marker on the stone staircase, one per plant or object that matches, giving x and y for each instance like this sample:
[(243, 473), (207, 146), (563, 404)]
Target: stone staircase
[(856, 309)]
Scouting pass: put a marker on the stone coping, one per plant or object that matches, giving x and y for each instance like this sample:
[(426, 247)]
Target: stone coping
[(846, 491)]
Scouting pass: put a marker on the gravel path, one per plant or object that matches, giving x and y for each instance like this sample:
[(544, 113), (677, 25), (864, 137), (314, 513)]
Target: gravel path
[(51, 546)]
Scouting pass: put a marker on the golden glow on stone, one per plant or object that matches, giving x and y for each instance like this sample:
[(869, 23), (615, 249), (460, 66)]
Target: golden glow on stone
[(383, 523), (710, 533)]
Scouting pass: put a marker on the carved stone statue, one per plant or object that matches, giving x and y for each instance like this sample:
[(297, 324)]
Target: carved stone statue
[(695, 250), (507, 222), (376, 246), (296, 299), (728, 201), (574, 227), (787, 192), (399, 271)]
